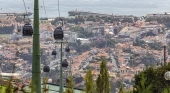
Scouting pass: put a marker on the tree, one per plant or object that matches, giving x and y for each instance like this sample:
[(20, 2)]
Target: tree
[(45, 88), (9, 88), (57, 20), (166, 90), (91, 18), (110, 42), (78, 42), (121, 89), (82, 33), (148, 59), (89, 83), (78, 19), (49, 39), (153, 76), (85, 47), (162, 20), (99, 87), (139, 43), (103, 83), (127, 50), (76, 29), (142, 88), (19, 19), (100, 43), (156, 46), (69, 85)]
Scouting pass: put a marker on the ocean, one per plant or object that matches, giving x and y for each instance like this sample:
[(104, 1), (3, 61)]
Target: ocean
[(120, 7)]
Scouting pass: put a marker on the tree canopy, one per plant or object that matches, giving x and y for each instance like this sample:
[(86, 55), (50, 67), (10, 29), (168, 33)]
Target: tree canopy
[(81, 32), (153, 78), (89, 82), (103, 82)]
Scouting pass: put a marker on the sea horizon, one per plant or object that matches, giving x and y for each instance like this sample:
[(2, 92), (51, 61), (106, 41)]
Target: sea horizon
[(121, 7)]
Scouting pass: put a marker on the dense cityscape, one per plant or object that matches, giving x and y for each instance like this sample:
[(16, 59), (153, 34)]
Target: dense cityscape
[(127, 44)]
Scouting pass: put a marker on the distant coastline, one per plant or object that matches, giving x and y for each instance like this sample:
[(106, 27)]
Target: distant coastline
[(83, 14), (120, 7)]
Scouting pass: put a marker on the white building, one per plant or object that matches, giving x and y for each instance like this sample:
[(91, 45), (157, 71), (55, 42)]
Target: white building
[(83, 40)]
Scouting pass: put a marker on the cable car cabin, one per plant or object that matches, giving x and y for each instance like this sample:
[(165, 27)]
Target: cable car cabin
[(19, 30), (54, 52), (46, 68), (67, 49), (58, 33), (43, 18), (27, 30), (65, 63)]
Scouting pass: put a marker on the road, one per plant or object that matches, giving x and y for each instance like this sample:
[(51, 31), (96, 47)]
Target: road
[(114, 61)]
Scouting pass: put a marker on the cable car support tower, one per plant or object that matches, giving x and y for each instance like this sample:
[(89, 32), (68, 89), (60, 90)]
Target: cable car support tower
[(36, 72)]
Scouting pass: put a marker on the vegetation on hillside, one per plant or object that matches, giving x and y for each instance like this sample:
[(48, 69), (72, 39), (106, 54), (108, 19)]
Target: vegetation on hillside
[(161, 20), (81, 32)]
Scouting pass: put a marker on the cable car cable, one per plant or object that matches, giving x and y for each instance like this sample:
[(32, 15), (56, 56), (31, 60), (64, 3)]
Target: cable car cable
[(58, 8), (59, 13), (25, 10), (44, 9)]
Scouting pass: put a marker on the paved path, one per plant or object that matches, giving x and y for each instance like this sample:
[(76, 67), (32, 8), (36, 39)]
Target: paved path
[(114, 61)]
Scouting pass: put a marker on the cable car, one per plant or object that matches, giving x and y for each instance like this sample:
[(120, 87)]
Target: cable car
[(65, 63), (46, 68), (54, 52), (27, 30), (18, 29), (17, 53), (58, 33), (67, 49), (43, 18)]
